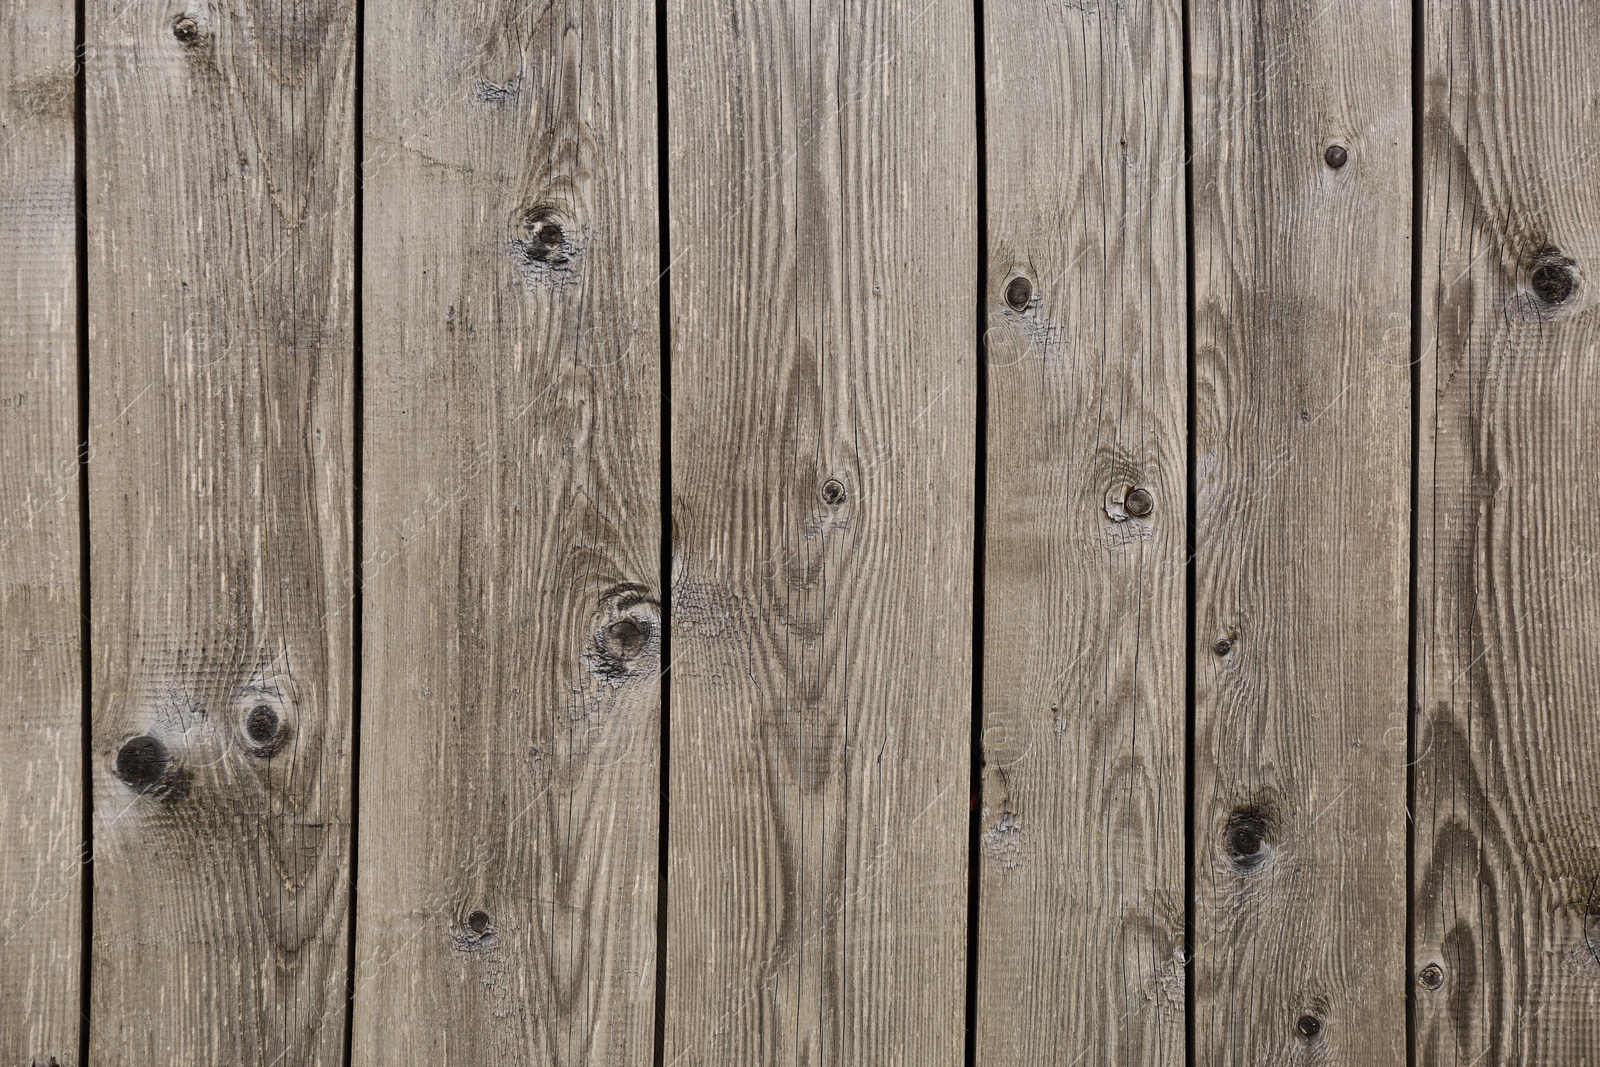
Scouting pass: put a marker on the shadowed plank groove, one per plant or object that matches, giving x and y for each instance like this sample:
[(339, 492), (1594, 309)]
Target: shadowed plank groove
[(1302, 212), (41, 704), (511, 525), (823, 387), (220, 188), (1081, 924), (1507, 875)]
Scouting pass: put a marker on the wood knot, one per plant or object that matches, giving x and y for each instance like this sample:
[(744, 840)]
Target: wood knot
[(833, 492), (1124, 502), (1431, 977), (1550, 281), (1553, 282), (264, 729), (475, 931), (626, 640), (1019, 293), (142, 763), (627, 637), (1308, 1026), (186, 30), (492, 94), (1222, 647), (145, 766), (547, 239), (546, 250), (1244, 838), (1336, 156)]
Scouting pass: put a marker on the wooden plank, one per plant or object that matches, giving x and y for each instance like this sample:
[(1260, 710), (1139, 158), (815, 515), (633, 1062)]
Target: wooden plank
[(1301, 125), (41, 701), (1507, 872), (220, 190), (1081, 936), (512, 540), (822, 216)]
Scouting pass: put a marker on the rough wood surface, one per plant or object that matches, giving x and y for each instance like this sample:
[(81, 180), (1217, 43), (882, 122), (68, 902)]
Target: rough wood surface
[(1507, 873), (1082, 896), (822, 213), (1302, 216), (823, 399), (510, 768), (220, 180), (41, 704)]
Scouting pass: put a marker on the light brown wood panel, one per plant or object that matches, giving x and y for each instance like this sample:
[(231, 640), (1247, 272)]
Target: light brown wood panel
[(1507, 871), (41, 701), (1081, 935), (824, 341), (1302, 273), (221, 168), (510, 773)]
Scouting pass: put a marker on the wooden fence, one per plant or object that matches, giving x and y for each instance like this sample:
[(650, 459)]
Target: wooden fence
[(740, 532)]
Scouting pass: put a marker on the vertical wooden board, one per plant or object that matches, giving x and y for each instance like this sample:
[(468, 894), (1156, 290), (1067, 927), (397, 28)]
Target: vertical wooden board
[(41, 704), (512, 540), (1507, 871), (822, 170), (220, 189), (1081, 921), (1302, 214)]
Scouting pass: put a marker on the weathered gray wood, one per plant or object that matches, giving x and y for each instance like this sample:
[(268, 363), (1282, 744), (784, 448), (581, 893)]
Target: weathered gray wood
[(1081, 930), (41, 703), (1507, 873), (510, 769), (1302, 451), (823, 414), (220, 188)]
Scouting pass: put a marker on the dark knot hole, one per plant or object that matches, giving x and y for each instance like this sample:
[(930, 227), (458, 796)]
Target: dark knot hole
[(261, 725), (1245, 839), (1019, 292), (1553, 282), (629, 636), (142, 763)]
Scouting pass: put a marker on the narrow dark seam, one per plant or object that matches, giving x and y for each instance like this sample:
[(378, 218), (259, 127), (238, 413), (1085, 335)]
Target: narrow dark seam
[(1191, 541), (664, 491), (80, 183), (1418, 26), (980, 485), (358, 418)]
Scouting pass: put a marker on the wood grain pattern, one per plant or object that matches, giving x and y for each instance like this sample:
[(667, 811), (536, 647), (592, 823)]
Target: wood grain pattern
[(822, 217), (1302, 451), (220, 188), (1081, 942), (512, 541), (1507, 873), (41, 702)]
